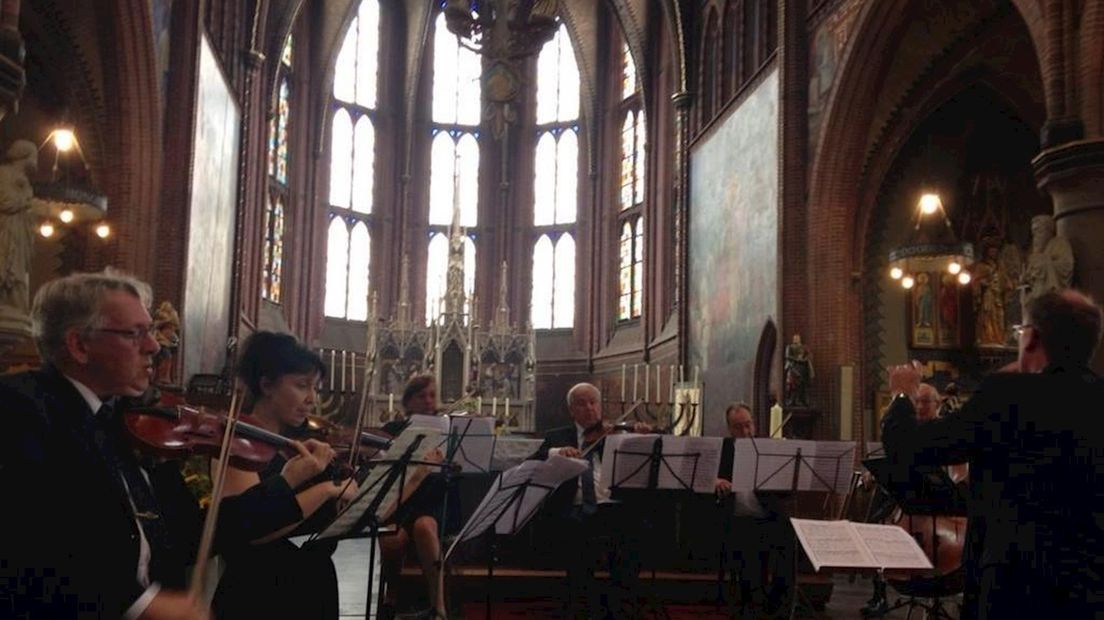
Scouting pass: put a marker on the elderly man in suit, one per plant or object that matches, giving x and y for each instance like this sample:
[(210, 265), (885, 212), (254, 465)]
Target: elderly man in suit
[(1035, 445)]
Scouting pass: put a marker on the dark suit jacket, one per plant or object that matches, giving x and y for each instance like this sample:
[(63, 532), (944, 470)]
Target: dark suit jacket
[(1035, 444), (563, 498), (69, 542)]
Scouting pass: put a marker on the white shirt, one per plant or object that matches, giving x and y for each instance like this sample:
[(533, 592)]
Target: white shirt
[(140, 605), (601, 489)]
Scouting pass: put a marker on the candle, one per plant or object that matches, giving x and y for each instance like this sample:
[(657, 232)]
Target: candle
[(354, 372), (622, 383), (636, 377), (696, 369), (507, 416), (775, 419), (647, 381), (344, 358), (391, 403), (333, 368), (671, 394), (682, 377), (479, 405), (659, 375), (494, 407)]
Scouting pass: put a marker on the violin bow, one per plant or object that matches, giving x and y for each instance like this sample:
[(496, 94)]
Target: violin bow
[(366, 388), (206, 541), (614, 423)]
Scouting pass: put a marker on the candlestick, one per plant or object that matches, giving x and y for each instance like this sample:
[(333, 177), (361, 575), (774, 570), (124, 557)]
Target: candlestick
[(494, 407), (647, 381), (636, 377), (622, 383)]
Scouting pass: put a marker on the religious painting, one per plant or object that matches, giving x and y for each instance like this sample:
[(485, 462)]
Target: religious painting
[(934, 311), (212, 204), (826, 47)]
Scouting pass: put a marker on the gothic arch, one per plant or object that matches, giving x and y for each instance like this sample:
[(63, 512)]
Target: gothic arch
[(764, 369)]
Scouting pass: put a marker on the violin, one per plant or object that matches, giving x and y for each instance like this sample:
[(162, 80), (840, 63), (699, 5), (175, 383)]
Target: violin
[(596, 433), (373, 441)]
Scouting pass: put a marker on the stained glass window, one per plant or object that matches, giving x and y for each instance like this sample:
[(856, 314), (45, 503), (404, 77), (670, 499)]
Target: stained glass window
[(631, 191), (272, 252), (352, 166), (630, 82), (555, 184)]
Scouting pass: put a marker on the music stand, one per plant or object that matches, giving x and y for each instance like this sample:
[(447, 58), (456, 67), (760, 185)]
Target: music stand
[(514, 498), (645, 463), (362, 518)]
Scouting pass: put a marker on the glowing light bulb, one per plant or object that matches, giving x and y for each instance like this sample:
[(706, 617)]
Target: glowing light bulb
[(930, 203), (954, 268), (896, 273), (64, 139), (46, 230), (103, 230), (907, 282), (66, 216), (964, 277)]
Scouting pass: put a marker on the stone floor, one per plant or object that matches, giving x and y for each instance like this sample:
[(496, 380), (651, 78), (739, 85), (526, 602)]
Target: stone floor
[(351, 560)]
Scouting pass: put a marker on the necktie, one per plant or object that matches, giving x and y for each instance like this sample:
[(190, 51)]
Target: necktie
[(146, 508), (590, 499)]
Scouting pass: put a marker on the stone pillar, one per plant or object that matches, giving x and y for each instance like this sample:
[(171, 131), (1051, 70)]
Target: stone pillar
[(1073, 175), (15, 326), (681, 187)]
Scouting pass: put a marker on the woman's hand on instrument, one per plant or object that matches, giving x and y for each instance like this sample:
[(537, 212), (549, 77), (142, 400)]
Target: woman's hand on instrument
[(435, 456), (722, 487), (345, 492), (170, 605), (312, 459)]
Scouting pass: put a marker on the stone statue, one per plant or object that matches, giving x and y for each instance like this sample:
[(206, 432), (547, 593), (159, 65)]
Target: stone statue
[(799, 373), (1050, 265), (17, 221), (991, 285), (166, 325)]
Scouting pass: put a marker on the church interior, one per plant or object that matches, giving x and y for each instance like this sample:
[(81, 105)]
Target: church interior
[(684, 204)]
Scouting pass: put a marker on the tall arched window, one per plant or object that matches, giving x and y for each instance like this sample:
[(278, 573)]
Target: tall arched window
[(630, 281), (555, 184), (454, 161), (352, 167), (708, 73), (276, 208), (733, 65)]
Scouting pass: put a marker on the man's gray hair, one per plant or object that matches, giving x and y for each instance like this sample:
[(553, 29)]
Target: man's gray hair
[(75, 302), (581, 387)]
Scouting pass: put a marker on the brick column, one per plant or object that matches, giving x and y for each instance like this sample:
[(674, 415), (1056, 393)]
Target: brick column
[(1073, 175), (680, 191)]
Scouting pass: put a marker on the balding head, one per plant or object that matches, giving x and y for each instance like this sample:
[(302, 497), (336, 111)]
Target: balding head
[(584, 402), (739, 421), (1063, 328), (926, 402)]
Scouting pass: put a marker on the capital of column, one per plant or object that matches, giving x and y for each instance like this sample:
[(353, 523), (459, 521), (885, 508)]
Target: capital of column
[(1073, 175)]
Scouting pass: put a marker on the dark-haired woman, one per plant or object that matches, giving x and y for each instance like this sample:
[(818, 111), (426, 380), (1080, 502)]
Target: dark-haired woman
[(417, 516), (271, 577)]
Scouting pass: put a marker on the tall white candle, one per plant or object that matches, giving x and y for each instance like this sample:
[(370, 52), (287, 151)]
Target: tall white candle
[(647, 381), (494, 407), (344, 359), (479, 405), (622, 383), (507, 415), (671, 394), (659, 383), (354, 372), (682, 377), (636, 377), (333, 368), (391, 402), (696, 369)]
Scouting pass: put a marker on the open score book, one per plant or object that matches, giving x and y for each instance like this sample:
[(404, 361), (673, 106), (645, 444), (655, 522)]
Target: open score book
[(844, 544)]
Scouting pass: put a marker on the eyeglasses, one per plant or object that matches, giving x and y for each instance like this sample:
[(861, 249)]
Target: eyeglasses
[(136, 335)]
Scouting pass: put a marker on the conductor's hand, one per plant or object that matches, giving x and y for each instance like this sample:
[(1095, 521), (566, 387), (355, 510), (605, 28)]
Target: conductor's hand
[(313, 457), (722, 487), (905, 379), (170, 605), (571, 453)]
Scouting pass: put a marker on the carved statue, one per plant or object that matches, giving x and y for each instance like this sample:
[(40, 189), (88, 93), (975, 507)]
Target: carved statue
[(17, 221), (799, 373), (166, 325), (991, 285), (1050, 265)]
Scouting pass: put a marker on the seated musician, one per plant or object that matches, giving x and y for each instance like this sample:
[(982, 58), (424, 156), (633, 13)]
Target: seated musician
[(417, 516), (98, 532), (583, 513), (759, 536), (271, 577)]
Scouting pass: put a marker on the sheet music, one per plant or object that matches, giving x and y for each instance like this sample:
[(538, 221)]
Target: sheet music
[(632, 453), (347, 519), (843, 544), (438, 423), (892, 546), (832, 543), (874, 448), (834, 464), (511, 451), (700, 477), (768, 465), (477, 442), (503, 508)]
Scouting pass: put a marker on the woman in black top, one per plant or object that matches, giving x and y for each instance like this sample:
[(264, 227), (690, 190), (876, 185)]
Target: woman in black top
[(271, 577)]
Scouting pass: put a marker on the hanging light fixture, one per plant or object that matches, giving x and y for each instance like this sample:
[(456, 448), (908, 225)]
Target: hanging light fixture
[(67, 196), (932, 246), (502, 29)]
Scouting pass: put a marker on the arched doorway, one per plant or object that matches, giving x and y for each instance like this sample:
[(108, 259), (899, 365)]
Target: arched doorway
[(764, 364)]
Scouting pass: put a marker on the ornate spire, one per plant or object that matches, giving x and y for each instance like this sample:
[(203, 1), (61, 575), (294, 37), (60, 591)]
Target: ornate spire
[(501, 322), (402, 316), (454, 276)]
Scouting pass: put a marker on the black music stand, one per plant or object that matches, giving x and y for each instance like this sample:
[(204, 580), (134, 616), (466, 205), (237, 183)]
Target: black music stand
[(651, 470), (361, 518), (513, 499)]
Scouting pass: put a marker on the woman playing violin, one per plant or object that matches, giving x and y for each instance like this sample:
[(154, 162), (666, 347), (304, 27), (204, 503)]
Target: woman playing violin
[(417, 516), (270, 577)]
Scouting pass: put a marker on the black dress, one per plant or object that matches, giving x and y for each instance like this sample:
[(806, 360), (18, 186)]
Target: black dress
[(430, 496), (278, 579)]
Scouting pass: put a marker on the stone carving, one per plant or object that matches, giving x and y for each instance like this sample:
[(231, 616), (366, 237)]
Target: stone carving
[(1050, 264), (799, 373), (18, 216)]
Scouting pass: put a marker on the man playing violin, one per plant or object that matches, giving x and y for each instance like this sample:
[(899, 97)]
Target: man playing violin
[(93, 532), (1035, 445), (583, 512)]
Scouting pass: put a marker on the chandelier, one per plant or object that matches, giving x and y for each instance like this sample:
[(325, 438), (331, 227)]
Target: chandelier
[(65, 196), (932, 246), (502, 29)]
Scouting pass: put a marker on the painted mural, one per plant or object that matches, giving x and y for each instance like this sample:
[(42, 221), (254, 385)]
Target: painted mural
[(207, 309), (826, 47), (733, 247)]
